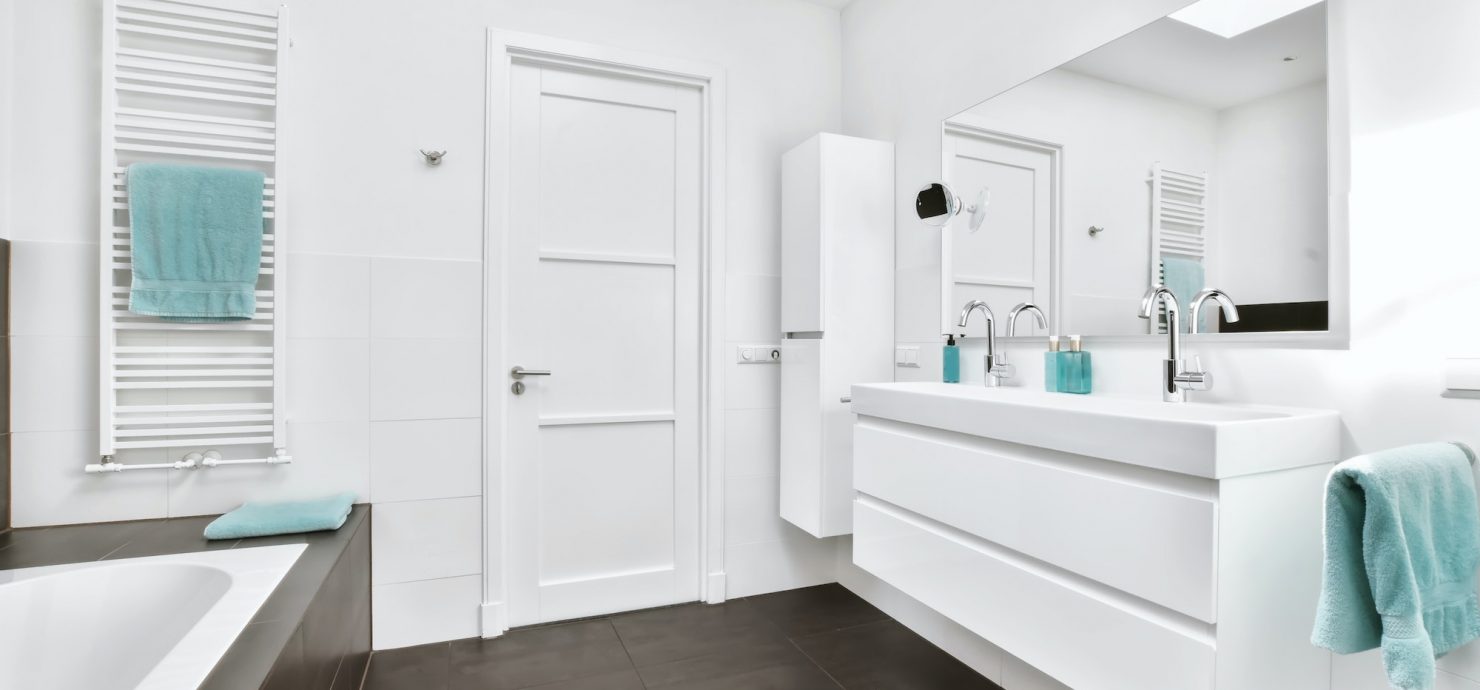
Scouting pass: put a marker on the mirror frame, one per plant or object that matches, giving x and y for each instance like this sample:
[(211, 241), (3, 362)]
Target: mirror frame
[(1338, 193)]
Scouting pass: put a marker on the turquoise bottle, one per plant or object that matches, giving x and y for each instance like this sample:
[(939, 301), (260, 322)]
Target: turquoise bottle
[(950, 358), (1051, 365), (1078, 374)]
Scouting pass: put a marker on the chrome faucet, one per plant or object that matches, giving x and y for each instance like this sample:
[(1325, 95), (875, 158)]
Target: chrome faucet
[(1175, 379), (1004, 371), (994, 366)]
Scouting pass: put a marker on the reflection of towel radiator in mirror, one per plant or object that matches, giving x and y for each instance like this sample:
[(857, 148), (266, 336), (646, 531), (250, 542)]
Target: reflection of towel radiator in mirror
[(192, 82), (1179, 223)]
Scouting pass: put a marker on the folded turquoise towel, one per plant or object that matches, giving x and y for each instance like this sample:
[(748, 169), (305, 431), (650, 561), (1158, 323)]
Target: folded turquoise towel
[(197, 241), (1184, 277), (288, 517), (1402, 546)]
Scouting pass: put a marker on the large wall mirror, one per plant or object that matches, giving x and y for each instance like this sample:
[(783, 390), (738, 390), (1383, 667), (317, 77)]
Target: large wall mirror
[(1189, 153)]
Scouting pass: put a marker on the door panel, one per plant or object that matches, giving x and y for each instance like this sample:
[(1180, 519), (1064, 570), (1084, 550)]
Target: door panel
[(601, 263), (583, 473), (615, 344), (1009, 259)]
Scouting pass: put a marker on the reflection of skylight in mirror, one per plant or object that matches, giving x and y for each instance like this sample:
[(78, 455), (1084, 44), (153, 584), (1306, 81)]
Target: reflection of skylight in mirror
[(1229, 18)]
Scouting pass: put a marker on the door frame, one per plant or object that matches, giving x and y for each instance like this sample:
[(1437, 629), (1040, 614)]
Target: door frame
[(978, 127), (505, 49)]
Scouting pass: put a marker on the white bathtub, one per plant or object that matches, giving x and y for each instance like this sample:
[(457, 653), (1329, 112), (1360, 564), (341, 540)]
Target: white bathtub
[(160, 622)]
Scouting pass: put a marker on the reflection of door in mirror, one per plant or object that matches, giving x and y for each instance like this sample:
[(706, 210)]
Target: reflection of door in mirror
[(1009, 259)]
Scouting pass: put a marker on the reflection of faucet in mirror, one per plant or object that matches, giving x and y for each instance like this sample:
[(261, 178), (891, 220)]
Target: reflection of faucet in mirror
[(1004, 371), (1175, 379), (994, 366)]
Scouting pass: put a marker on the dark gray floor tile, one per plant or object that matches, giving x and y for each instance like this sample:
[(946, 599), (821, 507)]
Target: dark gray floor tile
[(799, 676), (885, 655), (534, 656), (615, 680), (692, 630), (776, 659), (410, 668), (811, 610)]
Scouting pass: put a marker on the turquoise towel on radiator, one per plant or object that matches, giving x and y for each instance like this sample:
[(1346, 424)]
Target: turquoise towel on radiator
[(288, 517), (1402, 547), (197, 241), (1184, 277)]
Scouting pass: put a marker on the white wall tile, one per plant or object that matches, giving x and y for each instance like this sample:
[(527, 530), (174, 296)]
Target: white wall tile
[(329, 296), (328, 458), (426, 298), (55, 288), (424, 540), (772, 566), (50, 488), (434, 458), (753, 511), (329, 380), (753, 308), (412, 613), (53, 383), (752, 442), (425, 378), (751, 386)]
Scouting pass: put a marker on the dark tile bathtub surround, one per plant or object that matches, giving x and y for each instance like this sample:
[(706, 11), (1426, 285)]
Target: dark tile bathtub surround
[(4, 385), (312, 633)]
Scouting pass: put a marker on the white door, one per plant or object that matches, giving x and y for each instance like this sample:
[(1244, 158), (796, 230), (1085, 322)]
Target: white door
[(1008, 260), (602, 261)]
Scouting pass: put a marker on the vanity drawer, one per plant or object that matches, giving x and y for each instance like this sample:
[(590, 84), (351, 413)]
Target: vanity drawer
[(1083, 637), (1147, 533)]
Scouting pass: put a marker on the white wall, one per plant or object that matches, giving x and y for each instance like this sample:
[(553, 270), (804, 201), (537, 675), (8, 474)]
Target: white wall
[(1414, 92), (1111, 134), (7, 69), (1270, 189), (386, 262)]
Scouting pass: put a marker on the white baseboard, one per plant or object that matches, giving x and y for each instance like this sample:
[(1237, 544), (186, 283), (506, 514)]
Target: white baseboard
[(493, 619), (714, 588)]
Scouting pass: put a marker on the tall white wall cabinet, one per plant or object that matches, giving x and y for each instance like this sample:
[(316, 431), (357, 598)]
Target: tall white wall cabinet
[(837, 315)]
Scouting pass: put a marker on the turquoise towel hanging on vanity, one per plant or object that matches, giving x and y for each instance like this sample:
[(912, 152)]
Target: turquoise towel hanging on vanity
[(1402, 547), (197, 241)]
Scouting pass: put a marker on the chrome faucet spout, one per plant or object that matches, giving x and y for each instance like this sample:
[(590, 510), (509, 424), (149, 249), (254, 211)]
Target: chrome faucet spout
[(990, 377), (1177, 379), (1160, 294), (1020, 309), (1230, 310)]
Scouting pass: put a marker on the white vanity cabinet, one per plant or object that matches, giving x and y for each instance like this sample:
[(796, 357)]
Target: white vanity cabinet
[(1027, 518)]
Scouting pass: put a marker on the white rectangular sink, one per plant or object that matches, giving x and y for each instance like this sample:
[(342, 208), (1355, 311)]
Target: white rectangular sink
[(1212, 440)]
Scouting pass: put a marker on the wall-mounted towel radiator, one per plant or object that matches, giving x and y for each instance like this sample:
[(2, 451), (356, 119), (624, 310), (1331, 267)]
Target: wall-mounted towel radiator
[(193, 82), (1179, 223)]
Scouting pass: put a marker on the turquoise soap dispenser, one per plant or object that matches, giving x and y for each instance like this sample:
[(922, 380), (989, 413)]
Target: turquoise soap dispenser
[(1078, 375), (1051, 365), (950, 358)]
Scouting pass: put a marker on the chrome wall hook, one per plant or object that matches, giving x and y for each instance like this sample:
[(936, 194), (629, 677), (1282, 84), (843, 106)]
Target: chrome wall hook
[(433, 157)]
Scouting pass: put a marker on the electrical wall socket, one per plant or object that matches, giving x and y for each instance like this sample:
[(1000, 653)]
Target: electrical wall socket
[(757, 354), (907, 356)]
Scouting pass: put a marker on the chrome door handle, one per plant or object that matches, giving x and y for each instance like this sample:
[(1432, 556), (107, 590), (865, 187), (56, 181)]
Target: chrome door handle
[(521, 372), (846, 399)]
